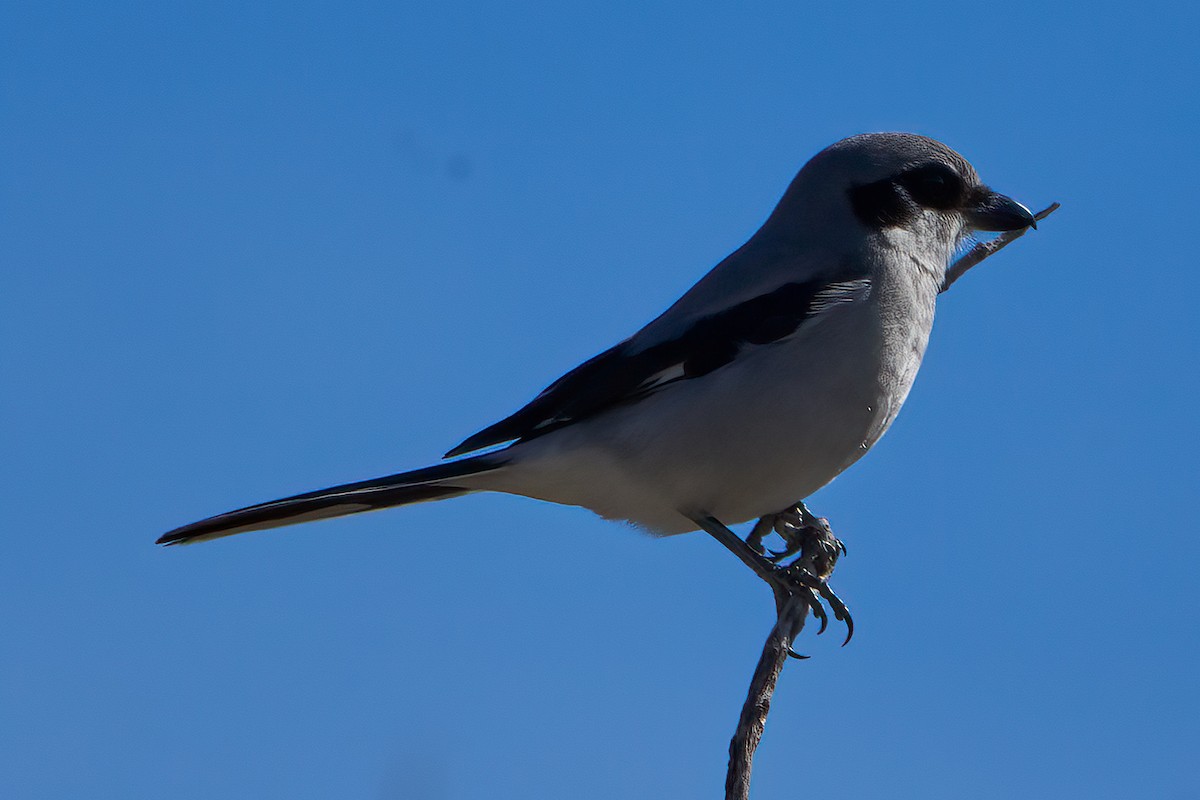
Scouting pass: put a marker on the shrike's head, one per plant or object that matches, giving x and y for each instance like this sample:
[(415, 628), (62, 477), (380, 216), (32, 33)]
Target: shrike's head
[(898, 184)]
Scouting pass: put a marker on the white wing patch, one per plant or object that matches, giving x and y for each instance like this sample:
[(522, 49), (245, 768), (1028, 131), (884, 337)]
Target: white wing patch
[(671, 373), (840, 294)]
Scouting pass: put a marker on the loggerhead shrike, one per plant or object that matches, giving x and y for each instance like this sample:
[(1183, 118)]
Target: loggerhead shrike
[(770, 376)]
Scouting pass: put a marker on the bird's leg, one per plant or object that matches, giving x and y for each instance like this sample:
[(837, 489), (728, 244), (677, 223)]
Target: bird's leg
[(804, 578)]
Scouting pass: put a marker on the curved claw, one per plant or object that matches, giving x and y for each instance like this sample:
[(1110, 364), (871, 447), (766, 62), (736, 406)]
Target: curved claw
[(793, 654), (839, 610), (849, 620)]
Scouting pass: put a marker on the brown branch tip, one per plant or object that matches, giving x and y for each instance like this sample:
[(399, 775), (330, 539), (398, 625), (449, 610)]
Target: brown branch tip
[(792, 614)]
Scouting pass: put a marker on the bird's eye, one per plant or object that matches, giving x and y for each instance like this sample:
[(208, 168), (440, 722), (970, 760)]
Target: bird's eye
[(933, 186)]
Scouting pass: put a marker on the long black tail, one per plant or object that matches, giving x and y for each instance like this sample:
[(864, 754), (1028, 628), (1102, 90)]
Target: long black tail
[(417, 486)]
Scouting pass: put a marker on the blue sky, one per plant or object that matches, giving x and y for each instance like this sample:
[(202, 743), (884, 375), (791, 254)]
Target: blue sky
[(251, 249)]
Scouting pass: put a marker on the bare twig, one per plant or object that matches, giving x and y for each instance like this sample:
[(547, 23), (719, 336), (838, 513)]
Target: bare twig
[(984, 249), (792, 614)]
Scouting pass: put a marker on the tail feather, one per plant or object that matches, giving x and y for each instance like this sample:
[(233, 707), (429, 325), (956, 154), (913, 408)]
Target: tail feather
[(417, 486)]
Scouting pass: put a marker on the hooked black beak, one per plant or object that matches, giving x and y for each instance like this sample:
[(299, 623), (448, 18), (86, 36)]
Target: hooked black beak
[(991, 211)]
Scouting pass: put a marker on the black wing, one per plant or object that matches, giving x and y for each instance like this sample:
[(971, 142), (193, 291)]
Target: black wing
[(622, 374)]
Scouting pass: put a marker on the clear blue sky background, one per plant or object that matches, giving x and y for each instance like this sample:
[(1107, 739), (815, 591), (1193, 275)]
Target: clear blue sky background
[(250, 249)]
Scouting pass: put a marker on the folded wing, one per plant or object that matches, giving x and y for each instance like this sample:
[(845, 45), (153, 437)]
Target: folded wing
[(634, 369)]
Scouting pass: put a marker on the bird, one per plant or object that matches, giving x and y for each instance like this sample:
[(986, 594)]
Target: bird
[(773, 374)]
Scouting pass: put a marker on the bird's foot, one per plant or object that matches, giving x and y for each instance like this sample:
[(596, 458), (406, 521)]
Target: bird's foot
[(795, 579), (817, 550), (802, 533)]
